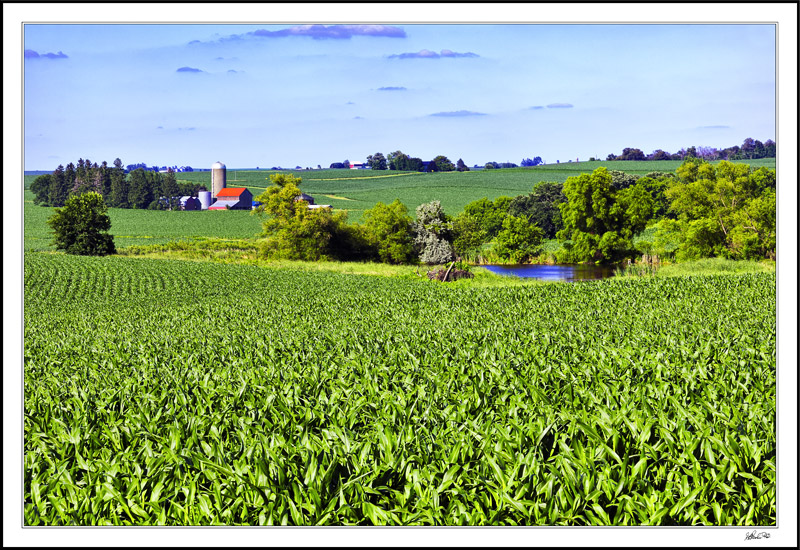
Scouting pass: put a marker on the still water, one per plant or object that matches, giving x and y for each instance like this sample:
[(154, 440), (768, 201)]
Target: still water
[(562, 272)]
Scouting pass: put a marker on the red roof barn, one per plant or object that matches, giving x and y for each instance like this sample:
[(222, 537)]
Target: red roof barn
[(233, 198)]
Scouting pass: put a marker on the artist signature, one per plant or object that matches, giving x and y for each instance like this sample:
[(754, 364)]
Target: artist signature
[(756, 536)]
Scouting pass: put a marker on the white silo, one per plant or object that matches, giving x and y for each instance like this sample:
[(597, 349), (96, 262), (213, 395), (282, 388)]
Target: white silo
[(218, 178), (205, 199)]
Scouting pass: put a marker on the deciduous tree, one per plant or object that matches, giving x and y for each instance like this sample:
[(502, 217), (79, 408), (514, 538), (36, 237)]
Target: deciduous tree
[(388, 231), (432, 234), (377, 161), (518, 240), (81, 226), (601, 221)]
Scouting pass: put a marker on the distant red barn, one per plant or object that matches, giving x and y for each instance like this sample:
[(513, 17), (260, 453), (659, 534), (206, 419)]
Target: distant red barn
[(233, 198)]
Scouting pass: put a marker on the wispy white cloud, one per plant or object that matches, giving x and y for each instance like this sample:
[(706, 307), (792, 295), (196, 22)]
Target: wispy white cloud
[(340, 32), (535, 107), (560, 106), (317, 32), (392, 89), (189, 70), (457, 113), (428, 54)]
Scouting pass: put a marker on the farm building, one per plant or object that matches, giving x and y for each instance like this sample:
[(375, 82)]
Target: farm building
[(303, 197), (186, 202), (359, 166), (190, 203), (233, 198), (310, 200)]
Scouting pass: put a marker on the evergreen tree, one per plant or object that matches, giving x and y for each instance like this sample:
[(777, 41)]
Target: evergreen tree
[(59, 189), (105, 181), (119, 186), (140, 191), (170, 190)]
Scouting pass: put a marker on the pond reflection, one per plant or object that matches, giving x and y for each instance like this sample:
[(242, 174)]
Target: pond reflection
[(561, 272)]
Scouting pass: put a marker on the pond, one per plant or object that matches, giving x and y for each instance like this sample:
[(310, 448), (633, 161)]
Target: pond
[(561, 272)]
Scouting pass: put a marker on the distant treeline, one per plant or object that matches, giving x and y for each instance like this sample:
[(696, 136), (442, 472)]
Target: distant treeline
[(750, 149), (440, 163), (139, 189)]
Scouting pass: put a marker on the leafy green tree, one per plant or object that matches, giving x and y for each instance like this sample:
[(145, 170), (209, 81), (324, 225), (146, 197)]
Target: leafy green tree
[(659, 154), (398, 161), (293, 231), (432, 234), (461, 167), (518, 240), (622, 180), (630, 153), (388, 231), (468, 235), (724, 210), (414, 164), (41, 188), (490, 214), (81, 225), (540, 207), (601, 221), (377, 161), (443, 164)]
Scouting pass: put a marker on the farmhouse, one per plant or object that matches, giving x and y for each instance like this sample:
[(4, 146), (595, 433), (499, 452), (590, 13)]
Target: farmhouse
[(359, 166), (233, 198)]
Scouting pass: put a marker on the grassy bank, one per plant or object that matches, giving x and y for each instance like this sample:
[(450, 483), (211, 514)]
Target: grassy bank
[(705, 266)]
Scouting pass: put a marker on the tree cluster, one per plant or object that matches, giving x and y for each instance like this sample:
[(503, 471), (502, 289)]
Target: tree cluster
[(139, 189), (750, 149), (725, 210)]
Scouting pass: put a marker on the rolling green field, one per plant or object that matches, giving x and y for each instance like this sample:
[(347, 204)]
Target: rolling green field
[(182, 393), (351, 190)]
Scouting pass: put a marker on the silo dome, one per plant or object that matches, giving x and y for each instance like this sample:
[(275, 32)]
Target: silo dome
[(217, 164)]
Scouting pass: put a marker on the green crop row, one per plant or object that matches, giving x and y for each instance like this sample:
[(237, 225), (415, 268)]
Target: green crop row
[(182, 393)]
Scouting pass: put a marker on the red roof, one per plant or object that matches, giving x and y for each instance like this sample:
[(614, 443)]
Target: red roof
[(231, 191)]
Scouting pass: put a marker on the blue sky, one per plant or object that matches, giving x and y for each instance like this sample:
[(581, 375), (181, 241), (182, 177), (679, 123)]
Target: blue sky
[(287, 95)]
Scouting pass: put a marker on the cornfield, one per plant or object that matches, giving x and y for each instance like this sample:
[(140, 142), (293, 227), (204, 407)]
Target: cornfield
[(179, 393)]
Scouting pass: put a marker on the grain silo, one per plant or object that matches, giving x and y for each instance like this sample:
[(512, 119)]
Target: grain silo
[(205, 199), (218, 178)]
